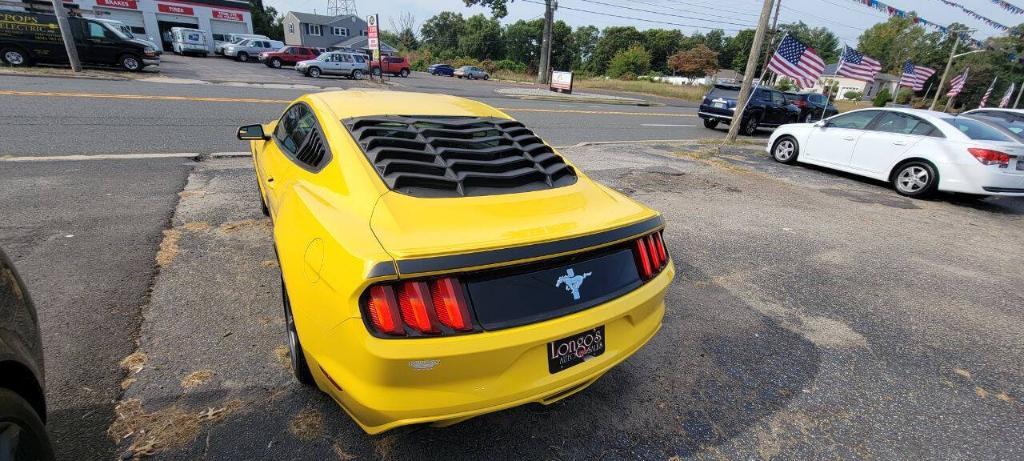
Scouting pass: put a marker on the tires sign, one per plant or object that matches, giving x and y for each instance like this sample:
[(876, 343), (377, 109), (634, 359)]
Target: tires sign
[(372, 42), (174, 9)]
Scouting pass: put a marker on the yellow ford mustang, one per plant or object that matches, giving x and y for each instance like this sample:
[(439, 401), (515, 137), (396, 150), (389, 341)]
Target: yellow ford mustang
[(440, 261)]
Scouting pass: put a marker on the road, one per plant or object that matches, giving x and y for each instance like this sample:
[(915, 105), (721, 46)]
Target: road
[(804, 324)]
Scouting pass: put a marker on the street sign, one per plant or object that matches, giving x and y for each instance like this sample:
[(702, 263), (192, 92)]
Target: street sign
[(561, 81), (372, 42)]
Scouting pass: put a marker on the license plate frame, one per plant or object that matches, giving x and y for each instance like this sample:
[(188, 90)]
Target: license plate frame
[(578, 348), (718, 105)]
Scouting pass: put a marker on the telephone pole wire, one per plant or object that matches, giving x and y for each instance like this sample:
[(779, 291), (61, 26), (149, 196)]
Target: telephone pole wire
[(748, 75)]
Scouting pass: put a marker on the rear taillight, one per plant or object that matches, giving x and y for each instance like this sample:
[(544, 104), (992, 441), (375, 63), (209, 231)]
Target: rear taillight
[(418, 308), (650, 254), (990, 157)]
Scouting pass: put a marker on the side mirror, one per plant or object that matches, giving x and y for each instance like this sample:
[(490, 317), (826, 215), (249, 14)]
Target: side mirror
[(822, 124), (252, 133)]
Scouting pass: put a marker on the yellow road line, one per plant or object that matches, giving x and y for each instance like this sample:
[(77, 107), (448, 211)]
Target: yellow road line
[(146, 97)]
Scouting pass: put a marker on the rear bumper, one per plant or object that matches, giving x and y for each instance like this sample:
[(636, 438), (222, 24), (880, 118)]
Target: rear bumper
[(711, 116), (982, 180), (470, 375)]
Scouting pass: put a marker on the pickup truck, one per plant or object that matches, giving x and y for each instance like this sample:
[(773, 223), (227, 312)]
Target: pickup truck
[(394, 65), (289, 55), (767, 108)]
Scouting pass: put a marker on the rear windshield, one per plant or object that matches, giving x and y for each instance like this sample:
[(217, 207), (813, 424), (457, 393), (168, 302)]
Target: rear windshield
[(719, 92), (976, 130)]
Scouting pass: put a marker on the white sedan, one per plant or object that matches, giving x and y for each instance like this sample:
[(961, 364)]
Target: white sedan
[(918, 151)]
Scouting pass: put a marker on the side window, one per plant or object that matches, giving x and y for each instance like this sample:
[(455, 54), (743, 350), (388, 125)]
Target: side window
[(293, 128), (854, 120), (97, 31), (927, 129), (360, 59), (895, 122), (346, 58), (778, 99)]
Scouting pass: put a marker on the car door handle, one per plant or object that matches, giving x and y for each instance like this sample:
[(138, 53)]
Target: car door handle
[(899, 143), (849, 138)]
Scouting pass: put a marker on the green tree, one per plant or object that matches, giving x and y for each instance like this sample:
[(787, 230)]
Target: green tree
[(633, 61), (499, 8), (522, 42), (736, 50), (894, 41), (612, 41), (821, 39), (265, 20), (715, 40), (441, 32), (784, 84), (584, 39), (662, 43), (481, 38), (882, 97)]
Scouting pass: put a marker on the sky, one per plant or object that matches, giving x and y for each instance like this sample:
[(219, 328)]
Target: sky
[(845, 18)]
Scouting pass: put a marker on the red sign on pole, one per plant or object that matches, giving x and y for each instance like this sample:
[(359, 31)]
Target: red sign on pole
[(126, 4), (227, 15), (174, 9)]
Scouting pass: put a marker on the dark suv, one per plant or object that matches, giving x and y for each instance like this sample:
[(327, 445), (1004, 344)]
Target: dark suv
[(767, 108), (811, 106)]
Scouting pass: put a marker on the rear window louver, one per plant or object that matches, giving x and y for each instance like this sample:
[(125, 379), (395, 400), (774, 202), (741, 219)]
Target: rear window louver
[(312, 151), (458, 156)]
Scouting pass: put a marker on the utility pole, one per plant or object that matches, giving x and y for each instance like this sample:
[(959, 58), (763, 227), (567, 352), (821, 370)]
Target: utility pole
[(545, 48), (1017, 101), (748, 75), (65, 33), (775, 34), (945, 73)]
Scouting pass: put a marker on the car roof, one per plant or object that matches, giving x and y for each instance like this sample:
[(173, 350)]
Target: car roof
[(995, 109), (367, 102)]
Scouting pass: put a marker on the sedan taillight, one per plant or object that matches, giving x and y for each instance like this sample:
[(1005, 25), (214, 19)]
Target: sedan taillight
[(650, 255), (990, 157), (433, 307)]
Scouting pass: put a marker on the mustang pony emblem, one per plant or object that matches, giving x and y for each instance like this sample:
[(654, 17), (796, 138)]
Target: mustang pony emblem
[(572, 282)]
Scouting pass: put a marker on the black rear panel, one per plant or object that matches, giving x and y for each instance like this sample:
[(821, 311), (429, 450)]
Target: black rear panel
[(458, 156), (511, 297)]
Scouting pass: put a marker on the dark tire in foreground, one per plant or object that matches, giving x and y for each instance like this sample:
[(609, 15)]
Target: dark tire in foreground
[(22, 434), (749, 127), (710, 124)]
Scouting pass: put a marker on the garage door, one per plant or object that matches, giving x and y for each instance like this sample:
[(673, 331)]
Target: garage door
[(192, 20), (222, 28), (132, 18)]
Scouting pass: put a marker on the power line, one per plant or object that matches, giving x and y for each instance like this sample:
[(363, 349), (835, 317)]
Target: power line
[(662, 13), (700, 12), (632, 18)]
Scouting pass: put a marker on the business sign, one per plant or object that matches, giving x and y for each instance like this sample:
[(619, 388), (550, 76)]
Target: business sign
[(228, 15), (174, 9), (561, 81), (126, 4)]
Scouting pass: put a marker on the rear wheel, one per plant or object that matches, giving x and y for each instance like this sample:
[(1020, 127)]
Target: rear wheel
[(487, 77), (22, 434), (357, 74), (313, 72), (14, 57), (130, 63), (403, 73), (785, 150), (749, 127), (275, 63), (376, 72), (916, 179), (710, 123), (299, 366), (243, 56)]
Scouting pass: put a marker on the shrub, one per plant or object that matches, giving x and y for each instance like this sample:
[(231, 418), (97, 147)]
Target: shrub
[(510, 65), (633, 61), (882, 97), (904, 95), (855, 95), (784, 84)]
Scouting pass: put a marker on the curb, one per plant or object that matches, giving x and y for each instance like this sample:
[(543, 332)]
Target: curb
[(84, 77), (615, 101)]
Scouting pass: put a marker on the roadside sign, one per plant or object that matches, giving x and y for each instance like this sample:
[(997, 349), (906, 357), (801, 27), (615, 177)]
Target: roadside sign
[(372, 42), (561, 81)]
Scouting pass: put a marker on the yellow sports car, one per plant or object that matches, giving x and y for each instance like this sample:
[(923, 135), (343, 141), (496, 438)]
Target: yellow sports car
[(440, 261)]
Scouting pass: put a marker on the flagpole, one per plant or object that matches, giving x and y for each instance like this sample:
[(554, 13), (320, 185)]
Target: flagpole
[(945, 73), (1017, 101), (989, 91), (840, 66)]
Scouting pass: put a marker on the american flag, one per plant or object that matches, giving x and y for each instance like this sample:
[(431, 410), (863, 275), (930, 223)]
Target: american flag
[(957, 84), (797, 61), (1006, 97), (914, 76), (988, 92), (855, 65)]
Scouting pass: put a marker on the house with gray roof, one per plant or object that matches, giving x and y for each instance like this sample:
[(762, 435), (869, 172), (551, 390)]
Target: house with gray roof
[(331, 32)]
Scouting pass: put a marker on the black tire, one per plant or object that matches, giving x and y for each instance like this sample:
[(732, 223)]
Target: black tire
[(808, 118), (710, 123), (130, 62), (376, 72), (785, 150), (263, 203), (313, 72), (459, 76), (487, 77), (22, 434), (357, 74), (749, 126), (299, 366), (404, 73), (916, 178), (243, 56), (275, 63), (14, 56)]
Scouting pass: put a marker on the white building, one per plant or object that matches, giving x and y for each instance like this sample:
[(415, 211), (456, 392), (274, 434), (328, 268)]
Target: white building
[(154, 18)]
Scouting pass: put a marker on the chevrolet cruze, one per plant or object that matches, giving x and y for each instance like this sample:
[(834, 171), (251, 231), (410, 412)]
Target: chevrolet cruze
[(440, 261)]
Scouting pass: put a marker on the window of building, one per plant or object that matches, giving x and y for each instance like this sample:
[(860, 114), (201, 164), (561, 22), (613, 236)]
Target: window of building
[(291, 28), (362, 32), (315, 29), (340, 31), (216, 37)]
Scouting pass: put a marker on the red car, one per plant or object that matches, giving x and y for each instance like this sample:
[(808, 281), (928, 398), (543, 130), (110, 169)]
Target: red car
[(288, 55), (394, 65)]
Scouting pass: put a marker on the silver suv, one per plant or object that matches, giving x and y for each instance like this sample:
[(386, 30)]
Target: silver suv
[(251, 48), (351, 65)]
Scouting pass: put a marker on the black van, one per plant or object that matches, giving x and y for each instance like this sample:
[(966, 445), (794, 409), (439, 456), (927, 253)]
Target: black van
[(28, 38)]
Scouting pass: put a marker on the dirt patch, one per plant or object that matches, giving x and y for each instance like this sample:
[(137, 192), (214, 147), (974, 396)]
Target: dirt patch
[(282, 356), (135, 362), (308, 425), (886, 199), (196, 226), (151, 432), (126, 383), (196, 379), (168, 247), (235, 226), (340, 452), (963, 373), (270, 263), (191, 193)]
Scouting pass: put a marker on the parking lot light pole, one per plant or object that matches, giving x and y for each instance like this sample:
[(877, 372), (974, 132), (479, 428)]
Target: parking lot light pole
[(748, 75), (65, 33)]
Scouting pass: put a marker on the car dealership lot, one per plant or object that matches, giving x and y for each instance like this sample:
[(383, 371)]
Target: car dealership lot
[(815, 315)]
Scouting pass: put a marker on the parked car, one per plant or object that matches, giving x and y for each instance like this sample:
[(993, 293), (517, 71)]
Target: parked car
[(918, 151), (445, 295), (246, 49), (346, 63), (127, 31), (189, 41), (811, 105), (471, 73), (289, 55), (394, 65), (99, 43), (22, 385), (1012, 115), (231, 39), (441, 69), (767, 108)]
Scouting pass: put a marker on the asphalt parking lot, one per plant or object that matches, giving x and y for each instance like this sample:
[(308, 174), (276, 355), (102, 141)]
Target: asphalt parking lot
[(815, 315)]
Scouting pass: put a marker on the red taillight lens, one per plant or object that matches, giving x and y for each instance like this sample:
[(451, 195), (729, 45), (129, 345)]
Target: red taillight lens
[(416, 306), (383, 309), (450, 304), (651, 255), (652, 249), (662, 252), (800, 103), (643, 259), (990, 157)]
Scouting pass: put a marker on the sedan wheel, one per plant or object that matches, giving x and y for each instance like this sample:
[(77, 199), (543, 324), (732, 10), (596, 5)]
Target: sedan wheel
[(243, 57), (299, 366), (916, 179), (275, 63), (357, 74), (314, 72), (130, 63), (785, 150)]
